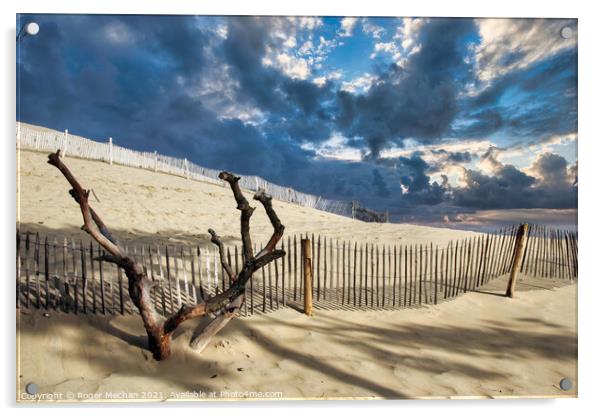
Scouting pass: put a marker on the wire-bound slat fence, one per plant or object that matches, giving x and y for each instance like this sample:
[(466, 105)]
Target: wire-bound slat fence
[(71, 145), (67, 275)]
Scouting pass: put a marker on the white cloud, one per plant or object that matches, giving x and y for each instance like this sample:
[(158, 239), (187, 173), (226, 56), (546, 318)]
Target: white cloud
[(489, 163), (511, 44), (549, 144), (292, 48), (306, 48), (404, 42), (335, 148), (222, 31), (359, 84), (217, 91), (293, 67), (347, 25), (408, 32), (371, 29), (118, 32), (386, 47), (335, 74), (304, 22), (290, 42), (296, 68), (476, 146), (453, 172), (321, 81)]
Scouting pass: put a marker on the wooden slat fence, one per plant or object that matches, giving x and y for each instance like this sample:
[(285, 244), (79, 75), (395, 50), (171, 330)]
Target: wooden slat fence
[(45, 140), (66, 275)]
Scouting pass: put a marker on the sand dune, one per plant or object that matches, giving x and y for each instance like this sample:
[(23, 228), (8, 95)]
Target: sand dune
[(479, 345), (143, 206)]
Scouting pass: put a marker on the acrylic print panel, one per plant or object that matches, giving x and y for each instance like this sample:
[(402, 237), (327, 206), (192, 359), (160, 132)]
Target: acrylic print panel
[(414, 185)]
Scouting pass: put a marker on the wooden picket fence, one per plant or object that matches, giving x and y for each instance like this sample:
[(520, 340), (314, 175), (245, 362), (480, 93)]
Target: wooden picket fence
[(45, 140), (67, 275)]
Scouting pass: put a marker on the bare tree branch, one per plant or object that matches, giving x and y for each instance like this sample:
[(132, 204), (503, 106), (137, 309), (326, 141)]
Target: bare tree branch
[(246, 211), (225, 304), (266, 201), (199, 342), (99, 223), (222, 255), (92, 222), (267, 258)]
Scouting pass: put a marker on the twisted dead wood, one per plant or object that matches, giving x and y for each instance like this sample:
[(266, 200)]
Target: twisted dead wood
[(224, 305)]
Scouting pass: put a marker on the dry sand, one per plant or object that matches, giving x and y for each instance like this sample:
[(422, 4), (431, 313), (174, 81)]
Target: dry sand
[(143, 206), (479, 345)]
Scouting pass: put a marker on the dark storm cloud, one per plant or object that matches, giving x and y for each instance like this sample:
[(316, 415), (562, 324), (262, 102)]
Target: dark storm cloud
[(546, 103), (413, 176), (552, 169), (452, 157), (135, 87), (106, 75), (379, 185), (244, 49), (418, 100), (297, 108), (137, 79), (510, 188)]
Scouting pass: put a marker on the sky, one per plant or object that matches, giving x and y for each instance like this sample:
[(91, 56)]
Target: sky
[(455, 121)]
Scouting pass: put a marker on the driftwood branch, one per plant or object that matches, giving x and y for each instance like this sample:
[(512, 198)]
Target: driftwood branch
[(266, 201), (224, 305), (200, 341), (92, 222), (246, 211), (222, 255)]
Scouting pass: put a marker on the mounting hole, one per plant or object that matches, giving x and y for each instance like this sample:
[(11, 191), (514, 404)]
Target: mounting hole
[(566, 32), (566, 384), (31, 388)]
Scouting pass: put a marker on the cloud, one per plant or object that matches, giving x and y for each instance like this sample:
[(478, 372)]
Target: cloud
[(409, 32), (321, 81), (360, 84), (418, 133), (296, 68), (386, 47), (117, 32), (306, 22), (374, 30), (347, 26), (452, 157), (510, 44), (417, 101), (417, 186), (509, 188), (532, 103), (379, 185), (551, 171)]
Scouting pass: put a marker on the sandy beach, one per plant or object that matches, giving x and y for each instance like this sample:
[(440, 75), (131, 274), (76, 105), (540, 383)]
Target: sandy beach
[(141, 206), (479, 345)]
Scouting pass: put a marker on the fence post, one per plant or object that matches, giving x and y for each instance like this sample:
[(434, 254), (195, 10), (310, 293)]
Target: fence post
[(110, 150), (18, 135), (518, 255), (156, 160), (66, 142), (186, 168), (307, 276)]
